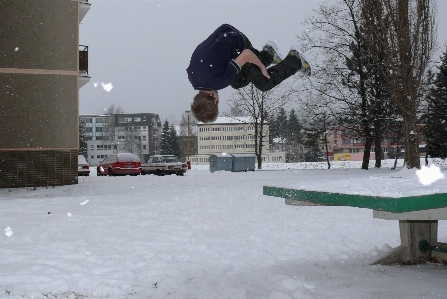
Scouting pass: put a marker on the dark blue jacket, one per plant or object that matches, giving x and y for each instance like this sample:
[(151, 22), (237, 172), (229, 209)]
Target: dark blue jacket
[(212, 65)]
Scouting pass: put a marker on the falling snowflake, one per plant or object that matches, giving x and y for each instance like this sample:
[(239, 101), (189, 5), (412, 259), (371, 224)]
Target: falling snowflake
[(8, 232), (107, 87), (429, 175)]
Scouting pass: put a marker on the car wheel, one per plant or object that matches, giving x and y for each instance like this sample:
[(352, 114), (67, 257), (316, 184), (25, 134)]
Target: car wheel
[(158, 172), (111, 172)]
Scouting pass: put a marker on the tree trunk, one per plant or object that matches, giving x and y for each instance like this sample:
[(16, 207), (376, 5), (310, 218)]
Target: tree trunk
[(367, 152), (411, 142), (378, 148), (259, 158), (327, 151)]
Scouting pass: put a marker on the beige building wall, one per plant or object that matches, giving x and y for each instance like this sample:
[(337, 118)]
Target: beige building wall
[(39, 109), (231, 136)]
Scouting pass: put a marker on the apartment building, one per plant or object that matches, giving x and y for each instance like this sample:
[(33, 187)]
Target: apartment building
[(231, 135), (137, 133), (351, 148), (42, 67)]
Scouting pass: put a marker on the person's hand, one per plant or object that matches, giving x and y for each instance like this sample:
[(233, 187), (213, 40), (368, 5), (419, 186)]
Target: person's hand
[(265, 73)]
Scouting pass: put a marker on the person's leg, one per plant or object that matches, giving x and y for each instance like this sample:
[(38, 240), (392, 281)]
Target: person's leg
[(241, 79), (278, 73)]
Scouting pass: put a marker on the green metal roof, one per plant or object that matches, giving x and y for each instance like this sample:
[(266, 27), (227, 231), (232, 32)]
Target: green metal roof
[(396, 205)]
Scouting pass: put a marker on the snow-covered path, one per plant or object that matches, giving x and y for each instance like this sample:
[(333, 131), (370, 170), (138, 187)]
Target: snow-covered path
[(201, 236)]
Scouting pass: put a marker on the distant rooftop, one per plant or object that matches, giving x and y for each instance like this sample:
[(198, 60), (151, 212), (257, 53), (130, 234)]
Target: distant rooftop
[(230, 120)]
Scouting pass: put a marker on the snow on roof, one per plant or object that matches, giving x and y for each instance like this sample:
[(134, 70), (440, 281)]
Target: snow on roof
[(230, 120)]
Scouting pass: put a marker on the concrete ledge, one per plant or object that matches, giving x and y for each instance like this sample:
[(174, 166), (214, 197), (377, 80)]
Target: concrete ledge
[(432, 214)]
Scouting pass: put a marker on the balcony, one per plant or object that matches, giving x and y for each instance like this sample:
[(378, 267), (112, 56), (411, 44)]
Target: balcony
[(84, 77), (84, 7)]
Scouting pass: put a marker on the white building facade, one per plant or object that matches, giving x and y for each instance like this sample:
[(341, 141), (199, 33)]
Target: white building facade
[(137, 133), (231, 135)]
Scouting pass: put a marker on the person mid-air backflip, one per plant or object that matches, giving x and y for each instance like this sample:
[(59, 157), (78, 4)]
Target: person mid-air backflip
[(226, 58)]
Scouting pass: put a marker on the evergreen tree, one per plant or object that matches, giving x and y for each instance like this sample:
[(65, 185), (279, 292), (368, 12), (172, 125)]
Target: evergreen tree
[(281, 123), (312, 144), (293, 136), (437, 113), (82, 142), (174, 142), (170, 143), (165, 147)]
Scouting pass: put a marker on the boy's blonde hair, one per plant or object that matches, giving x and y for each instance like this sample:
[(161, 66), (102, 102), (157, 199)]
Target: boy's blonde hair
[(203, 108)]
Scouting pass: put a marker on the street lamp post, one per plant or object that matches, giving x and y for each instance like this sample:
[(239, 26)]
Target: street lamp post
[(188, 142)]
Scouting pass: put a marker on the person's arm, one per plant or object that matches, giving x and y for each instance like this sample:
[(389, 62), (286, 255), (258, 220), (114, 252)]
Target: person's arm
[(248, 56)]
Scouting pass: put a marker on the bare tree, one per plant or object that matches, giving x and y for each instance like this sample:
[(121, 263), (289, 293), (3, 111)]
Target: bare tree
[(405, 31), (346, 80), (183, 135), (112, 111), (131, 141), (257, 104)]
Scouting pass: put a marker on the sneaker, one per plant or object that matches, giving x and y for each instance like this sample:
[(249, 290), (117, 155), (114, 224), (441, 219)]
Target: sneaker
[(273, 49), (305, 68)]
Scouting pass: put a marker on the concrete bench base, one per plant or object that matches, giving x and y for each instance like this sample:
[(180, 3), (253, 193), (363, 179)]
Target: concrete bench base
[(411, 232), (418, 217)]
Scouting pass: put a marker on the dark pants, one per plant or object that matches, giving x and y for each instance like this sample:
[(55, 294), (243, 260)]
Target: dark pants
[(250, 73)]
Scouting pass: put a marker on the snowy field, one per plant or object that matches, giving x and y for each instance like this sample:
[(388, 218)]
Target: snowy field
[(210, 235)]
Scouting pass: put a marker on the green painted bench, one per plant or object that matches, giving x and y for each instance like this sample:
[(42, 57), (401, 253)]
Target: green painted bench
[(418, 217)]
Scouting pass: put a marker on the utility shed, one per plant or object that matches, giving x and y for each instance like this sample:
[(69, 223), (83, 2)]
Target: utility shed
[(232, 162), (243, 162), (221, 162)]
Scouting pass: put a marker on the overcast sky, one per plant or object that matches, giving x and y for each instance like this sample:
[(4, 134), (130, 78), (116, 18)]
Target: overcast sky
[(143, 47)]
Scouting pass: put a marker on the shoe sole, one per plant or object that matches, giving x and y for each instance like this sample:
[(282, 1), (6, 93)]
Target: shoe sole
[(277, 58), (306, 68)]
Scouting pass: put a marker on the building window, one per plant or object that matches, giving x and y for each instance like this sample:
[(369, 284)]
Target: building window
[(125, 119), (354, 150), (137, 119)]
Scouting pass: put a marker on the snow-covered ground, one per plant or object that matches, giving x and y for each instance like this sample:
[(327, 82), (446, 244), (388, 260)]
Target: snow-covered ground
[(210, 236)]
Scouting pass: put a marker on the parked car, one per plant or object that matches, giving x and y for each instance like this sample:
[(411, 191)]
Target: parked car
[(164, 164), (83, 168), (119, 164)]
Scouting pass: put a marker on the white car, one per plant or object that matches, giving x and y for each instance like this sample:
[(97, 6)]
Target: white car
[(83, 168), (164, 164)]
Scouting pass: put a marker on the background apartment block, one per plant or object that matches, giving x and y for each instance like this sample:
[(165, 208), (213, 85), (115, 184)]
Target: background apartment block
[(42, 67), (231, 135), (137, 133)]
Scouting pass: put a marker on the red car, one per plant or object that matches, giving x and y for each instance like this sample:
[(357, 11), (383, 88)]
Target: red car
[(119, 164)]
